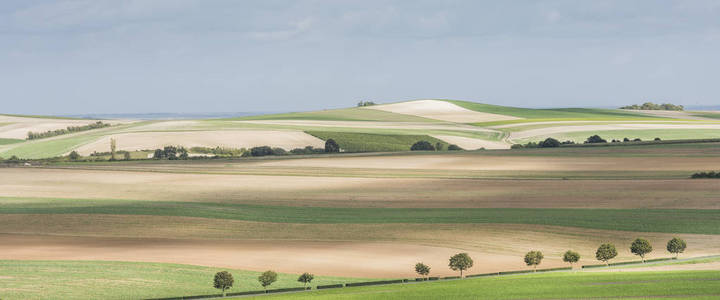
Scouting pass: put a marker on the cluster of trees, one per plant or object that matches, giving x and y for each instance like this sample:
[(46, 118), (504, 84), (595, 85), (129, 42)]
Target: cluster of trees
[(330, 147), (711, 174), (653, 106), (70, 129), (547, 143), (427, 146), (171, 153), (365, 103), (606, 252), (224, 280)]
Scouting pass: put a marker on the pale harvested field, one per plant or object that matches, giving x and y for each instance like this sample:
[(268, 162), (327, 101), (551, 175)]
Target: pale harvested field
[(328, 249), (19, 126), (232, 139), (629, 126), (358, 192), (471, 143), (440, 110), (508, 163)]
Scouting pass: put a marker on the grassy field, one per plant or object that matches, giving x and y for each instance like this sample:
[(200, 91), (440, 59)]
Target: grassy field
[(639, 220), (125, 280), (4, 141), (368, 142), (345, 114), (667, 285), (556, 113)]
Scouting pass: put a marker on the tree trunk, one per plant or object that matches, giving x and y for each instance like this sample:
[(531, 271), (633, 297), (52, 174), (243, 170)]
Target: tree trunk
[(461, 273), (223, 291)]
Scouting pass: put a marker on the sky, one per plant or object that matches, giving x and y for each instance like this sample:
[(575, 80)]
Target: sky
[(190, 56)]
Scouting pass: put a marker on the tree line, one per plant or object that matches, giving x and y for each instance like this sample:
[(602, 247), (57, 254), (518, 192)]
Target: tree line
[(427, 146), (462, 262), (553, 143), (70, 129), (653, 106)]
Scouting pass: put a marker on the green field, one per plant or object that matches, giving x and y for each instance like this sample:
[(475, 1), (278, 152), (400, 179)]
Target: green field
[(4, 141), (701, 221), (554, 113), (369, 142), (666, 285), (343, 114), (126, 280)]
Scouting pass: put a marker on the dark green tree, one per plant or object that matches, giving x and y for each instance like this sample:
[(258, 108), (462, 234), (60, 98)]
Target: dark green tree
[(306, 278), (595, 139), (605, 253), (534, 258), (549, 143), (223, 281), (331, 146), (422, 146), (74, 155), (641, 247), (460, 262), (571, 257), (267, 278), (676, 245), (422, 269)]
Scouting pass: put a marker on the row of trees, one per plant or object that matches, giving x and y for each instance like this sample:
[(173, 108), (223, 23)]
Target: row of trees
[(606, 252), (711, 174), (70, 129), (653, 106), (224, 280), (552, 143), (427, 146)]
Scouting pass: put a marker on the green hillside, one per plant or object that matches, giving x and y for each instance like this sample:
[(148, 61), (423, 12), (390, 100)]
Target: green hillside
[(344, 114)]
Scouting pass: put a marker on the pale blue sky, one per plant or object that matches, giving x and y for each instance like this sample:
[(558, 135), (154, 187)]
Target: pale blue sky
[(113, 56)]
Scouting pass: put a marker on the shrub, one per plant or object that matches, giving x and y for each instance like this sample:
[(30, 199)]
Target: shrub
[(261, 151), (657, 139), (278, 151), (453, 147), (595, 139), (422, 146), (331, 146), (549, 143), (365, 103), (74, 155), (711, 174)]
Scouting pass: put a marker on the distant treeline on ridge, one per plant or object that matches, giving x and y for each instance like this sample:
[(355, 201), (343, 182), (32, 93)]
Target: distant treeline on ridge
[(653, 106), (69, 129)]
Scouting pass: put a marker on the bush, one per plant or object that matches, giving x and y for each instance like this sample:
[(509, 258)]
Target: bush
[(331, 146), (307, 150), (171, 153), (453, 147), (422, 146), (595, 139), (261, 151), (330, 286), (365, 103), (549, 143), (74, 155), (711, 174)]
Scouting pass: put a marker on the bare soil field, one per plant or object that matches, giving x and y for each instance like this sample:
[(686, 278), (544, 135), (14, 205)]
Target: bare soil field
[(342, 250), (440, 110), (233, 139), (356, 192)]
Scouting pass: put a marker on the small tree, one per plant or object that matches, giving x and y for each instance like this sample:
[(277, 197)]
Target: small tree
[(331, 146), (571, 257), (223, 281), (306, 278), (422, 269), (422, 146), (676, 245), (74, 155), (605, 253), (113, 147), (549, 143), (595, 139), (534, 258), (460, 262), (267, 278), (641, 247)]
